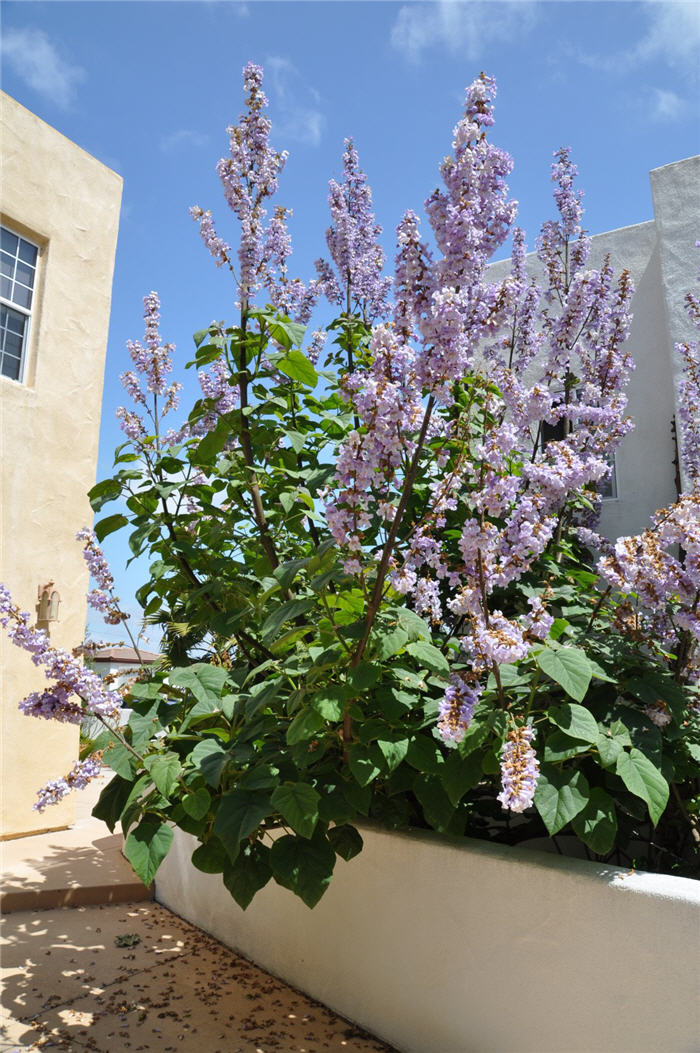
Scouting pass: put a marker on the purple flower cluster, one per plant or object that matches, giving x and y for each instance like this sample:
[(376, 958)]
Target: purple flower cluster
[(525, 385), (661, 569), (689, 398), (148, 381), (353, 242), (77, 778), (102, 598), (519, 769), (457, 708), (249, 176), (76, 691)]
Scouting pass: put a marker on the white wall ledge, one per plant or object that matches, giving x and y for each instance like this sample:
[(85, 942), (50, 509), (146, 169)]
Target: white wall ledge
[(452, 947)]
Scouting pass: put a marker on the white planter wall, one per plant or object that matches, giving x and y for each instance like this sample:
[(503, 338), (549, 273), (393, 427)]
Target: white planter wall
[(441, 947)]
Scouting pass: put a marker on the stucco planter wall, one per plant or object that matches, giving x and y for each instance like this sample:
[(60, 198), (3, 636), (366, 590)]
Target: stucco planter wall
[(439, 947)]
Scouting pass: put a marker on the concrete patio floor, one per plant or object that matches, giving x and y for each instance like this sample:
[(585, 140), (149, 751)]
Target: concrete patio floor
[(89, 962), (68, 984)]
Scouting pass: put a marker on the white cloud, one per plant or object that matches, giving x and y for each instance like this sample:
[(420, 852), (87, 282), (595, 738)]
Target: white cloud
[(32, 56), (461, 26), (666, 105), (183, 138), (295, 105), (670, 35), (673, 35)]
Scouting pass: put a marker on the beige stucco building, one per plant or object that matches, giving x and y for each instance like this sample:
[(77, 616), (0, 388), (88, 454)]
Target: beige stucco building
[(60, 216)]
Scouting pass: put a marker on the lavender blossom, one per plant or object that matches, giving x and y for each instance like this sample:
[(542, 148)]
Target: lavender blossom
[(457, 708), (102, 598), (519, 769), (76, 692), (689, 399), (353, 243), (77, 778), (148, 381)]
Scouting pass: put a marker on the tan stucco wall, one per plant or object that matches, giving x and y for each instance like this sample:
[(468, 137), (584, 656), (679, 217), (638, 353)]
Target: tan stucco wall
[(67, 202)]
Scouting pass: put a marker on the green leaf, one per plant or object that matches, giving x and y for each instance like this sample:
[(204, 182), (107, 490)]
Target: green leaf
[(429, 656), (569, 667), (575, 721), (596, 825), (298, 803), (119, 759), (197, 803), (143, 726), (363, 764), (609, 749), (247, 874), (437, 806), (111, 802), (560, 795), (559, 747), (211, 857), (393, 751), (363, 676), (103, 492), (346, 841), (213, 442), (147, 846), (296, 366), (330, 702), (296, 440), (459, 774), (165, 771), (414, 625), (644, 780), (109, 525), (424, 754), (390, 643), (206, 682), (305, 867), (210, 757), (304, 726), (284, 613), (239, 814)]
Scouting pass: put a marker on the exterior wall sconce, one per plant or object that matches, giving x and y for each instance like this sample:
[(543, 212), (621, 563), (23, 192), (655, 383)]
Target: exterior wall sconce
[(49, 600)]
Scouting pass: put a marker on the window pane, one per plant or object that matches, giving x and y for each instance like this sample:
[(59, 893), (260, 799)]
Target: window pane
[(22, 296), (9, 241), (25, 274), (7, 265), (27, 252), (13, 320), (13, 345), (10, 367), (6, 288)]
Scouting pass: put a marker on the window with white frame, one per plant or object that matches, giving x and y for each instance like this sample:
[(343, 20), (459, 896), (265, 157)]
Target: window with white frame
[(18, 259)]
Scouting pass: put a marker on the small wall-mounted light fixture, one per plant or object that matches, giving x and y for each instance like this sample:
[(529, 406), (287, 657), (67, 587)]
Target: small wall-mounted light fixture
[(49, 600)]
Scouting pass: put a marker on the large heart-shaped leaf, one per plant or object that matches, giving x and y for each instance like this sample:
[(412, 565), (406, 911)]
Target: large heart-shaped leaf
[(644, 780), (147, 846), (575, 721), (596, 824), (298, 804), (569, 667), (560, 796), (305, 867), (239, 814), (247, 874)]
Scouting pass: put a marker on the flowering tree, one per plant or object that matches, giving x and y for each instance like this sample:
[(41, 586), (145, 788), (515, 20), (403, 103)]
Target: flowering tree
[(376, 581)]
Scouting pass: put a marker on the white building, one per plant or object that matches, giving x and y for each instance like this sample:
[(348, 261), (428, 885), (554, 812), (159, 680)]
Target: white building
[(664, 263)]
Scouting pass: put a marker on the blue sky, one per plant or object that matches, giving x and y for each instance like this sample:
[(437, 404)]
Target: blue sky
[(149, 88)]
